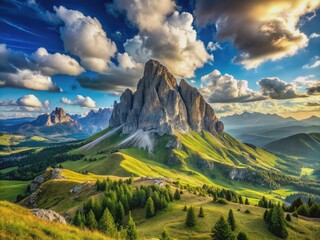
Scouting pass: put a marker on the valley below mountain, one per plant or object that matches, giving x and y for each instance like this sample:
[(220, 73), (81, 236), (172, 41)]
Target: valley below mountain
[(164, 155)]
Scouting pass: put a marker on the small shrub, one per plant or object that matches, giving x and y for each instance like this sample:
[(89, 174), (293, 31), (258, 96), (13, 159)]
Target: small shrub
[(247, 211), (295, 214)]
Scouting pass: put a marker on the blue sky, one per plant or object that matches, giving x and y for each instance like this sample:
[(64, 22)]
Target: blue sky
[(251, 61)]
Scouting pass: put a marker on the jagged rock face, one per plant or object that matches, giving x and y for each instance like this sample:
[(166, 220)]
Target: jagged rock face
[(55, 117), (160, 105)]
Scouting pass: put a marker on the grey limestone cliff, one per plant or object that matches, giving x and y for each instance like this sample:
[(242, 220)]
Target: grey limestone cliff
[(163, 106)]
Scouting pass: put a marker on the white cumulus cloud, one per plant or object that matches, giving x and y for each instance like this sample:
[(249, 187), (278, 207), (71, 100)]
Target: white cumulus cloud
[(165, 35), (27, 102), (80, 101), (57, 63), (29, 80), (225, 88), (84, 36)]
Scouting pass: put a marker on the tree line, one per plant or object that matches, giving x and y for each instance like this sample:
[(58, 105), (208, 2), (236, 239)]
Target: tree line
[(108, 213)]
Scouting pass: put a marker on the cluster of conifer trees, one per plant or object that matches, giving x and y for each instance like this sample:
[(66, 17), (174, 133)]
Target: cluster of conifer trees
[(275, 218), (224, 229), (216, 193), (297, 207), (309, 209), (108, 214)]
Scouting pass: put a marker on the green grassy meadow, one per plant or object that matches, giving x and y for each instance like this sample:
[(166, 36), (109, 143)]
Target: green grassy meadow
[(10, 189)]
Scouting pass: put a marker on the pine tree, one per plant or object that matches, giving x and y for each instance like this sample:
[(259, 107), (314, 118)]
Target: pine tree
[(91, 221), (277, 223), (242, 236), (288, 217), (185, 208), (295, 204), (231, 220), (163, 201), (201, 213), (164, 235), (150, 211), (156, 201), (222, 230), (240, 199), (303, 210), (247, 201), (177, 195), (119, 213), (106, 224), (78, 220), (131, 231), (191, 218), (314, 210), (265, 215), (310, 202)]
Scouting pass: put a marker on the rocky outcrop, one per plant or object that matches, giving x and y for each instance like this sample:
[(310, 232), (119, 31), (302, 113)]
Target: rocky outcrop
[(55, 117), (48, 215), (163, 106), (47, 175), (56, 125)]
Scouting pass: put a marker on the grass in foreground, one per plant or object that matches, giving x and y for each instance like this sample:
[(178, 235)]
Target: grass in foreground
[(18, 223)]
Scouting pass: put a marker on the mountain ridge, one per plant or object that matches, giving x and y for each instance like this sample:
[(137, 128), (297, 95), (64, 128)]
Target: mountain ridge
[(161, 105)]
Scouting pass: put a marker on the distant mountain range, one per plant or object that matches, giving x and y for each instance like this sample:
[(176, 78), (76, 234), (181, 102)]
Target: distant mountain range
[(260, 129), (59, 125), (302, 144), (95, 121), (15, 121)]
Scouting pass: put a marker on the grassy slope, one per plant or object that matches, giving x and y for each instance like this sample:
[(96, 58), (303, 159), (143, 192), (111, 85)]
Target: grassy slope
[(55, 195), (221, 148), (253, 224), (226, 149), (10, 189), (18, 223), (298, 145)]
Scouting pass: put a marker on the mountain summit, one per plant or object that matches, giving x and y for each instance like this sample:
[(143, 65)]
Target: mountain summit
[(55, 117), (161, 105)]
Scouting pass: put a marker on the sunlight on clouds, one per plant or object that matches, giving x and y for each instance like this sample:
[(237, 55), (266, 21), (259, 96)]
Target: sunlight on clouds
[(169, 38), (262, 30), (29, 80), (57, 63), (84, 36), (80, 100), (216, 87)]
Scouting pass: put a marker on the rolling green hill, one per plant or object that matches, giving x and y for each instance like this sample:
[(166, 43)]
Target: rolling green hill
[(303, 145), (55, 194)]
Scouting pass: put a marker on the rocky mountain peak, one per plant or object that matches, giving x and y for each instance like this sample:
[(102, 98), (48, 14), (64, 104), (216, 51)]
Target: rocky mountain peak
[(161, 105), (59, 111), (56, 116)]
